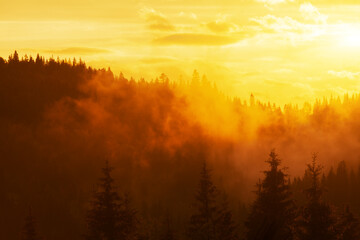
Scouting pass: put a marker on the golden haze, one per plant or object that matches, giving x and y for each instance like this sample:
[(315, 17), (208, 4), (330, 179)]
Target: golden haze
[(283, 51)]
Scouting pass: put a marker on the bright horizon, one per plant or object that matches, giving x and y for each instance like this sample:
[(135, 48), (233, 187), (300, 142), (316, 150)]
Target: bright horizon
[(282, 51)]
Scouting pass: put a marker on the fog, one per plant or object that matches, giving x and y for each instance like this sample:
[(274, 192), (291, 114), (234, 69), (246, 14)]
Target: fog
[(60, 122)]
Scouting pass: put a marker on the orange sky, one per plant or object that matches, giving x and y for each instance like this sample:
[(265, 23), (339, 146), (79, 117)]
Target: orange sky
[(280, 50)]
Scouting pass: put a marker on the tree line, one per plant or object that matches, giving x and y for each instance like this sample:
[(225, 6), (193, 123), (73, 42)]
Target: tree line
[(59, 118), (274, 214)]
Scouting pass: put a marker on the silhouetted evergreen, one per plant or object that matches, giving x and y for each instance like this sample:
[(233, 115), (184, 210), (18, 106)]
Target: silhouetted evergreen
[(227, 229), (29, 230), (317, 221), (272, 213), (212, 220), (110, 217), (337, 185), (168, 232), (129, 219), (348, 227)]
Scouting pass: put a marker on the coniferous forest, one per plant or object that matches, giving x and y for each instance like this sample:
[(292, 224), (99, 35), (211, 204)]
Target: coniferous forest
[(89, 154)]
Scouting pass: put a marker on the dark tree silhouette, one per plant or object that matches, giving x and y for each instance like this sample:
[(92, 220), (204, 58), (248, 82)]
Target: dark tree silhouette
[(272, 213), (129, 220), (317, 221), (348, 227), (213, 220), (14, 58), (168, 232), (226, 227), (29, 230), (202, 224), (111, 217)]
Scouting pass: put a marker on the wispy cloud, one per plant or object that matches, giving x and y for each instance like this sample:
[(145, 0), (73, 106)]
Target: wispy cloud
[(272, 2), (344, 74), (195, 39), (279, 24), (190, 15), (268, 3), (222, 24), (311, 13), (311, 25), (156, 20)]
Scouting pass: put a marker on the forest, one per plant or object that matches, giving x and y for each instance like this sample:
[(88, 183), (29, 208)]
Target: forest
[(87, 154)]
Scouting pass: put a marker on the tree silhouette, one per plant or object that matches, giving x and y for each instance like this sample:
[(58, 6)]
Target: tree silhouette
[(168, 232), (213, 220), (195, 81), (202, 224), (111, 217), (129, 220), (226, 227), (348, 227), (29, 230), (14, 58), (316, 222), (272, 213)]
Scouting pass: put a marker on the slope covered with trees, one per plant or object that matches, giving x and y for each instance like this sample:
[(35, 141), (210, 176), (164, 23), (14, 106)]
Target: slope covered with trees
[(60, 120)]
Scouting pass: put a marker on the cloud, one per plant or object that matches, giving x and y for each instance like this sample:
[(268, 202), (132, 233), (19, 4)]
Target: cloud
[(279, 24), (273, 2), (311, 13), (222, 25), (288, 24), (195, 39), (156, 20), (190, 15), (344, 74), (78, 51)]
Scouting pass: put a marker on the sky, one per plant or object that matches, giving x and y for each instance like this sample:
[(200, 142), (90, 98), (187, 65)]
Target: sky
[(282, 51)]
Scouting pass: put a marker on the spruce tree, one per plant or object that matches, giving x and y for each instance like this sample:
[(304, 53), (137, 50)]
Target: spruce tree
[(317, 221), (110, 217), (14, 58), (272, 213), (226, 227), (128, 219), (29, 230), (348, 227), (168, 232), (212, 220)]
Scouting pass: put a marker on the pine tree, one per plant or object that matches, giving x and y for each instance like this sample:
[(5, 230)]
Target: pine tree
[(14, 58), (316, 222), (272, 213), (212, 221), (348, 226), (226, 227), (195, 79), (29, 231), (341, 185), (202, 224), (111, 217), (168, 233), (128, 219)]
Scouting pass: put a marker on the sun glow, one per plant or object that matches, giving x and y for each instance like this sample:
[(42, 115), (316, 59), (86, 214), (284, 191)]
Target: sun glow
[(282, 50), (350, 36)]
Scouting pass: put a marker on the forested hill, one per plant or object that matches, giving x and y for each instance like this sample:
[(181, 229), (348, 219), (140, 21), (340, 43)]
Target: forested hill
[(61, 121), (29, 85)]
